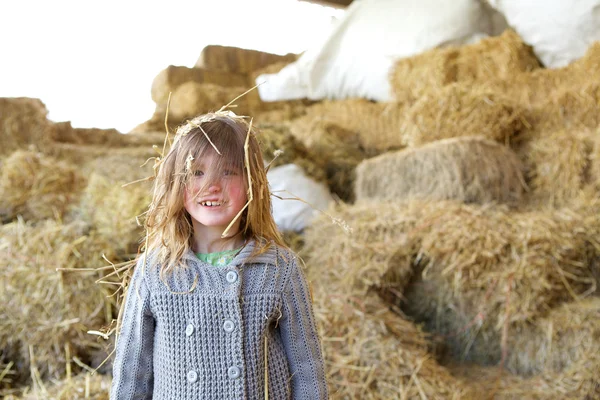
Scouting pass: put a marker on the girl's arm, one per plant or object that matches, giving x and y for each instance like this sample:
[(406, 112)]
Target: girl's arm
[(301, 339), (132, 368)]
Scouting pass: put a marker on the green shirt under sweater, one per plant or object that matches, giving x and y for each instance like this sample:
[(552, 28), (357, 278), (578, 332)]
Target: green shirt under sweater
[(218, 259)]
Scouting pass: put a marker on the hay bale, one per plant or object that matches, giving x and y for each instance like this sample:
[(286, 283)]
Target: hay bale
[(63, 132), (22, 122), (170, 78), (458, 110), (378, 126), (337, 149), (568, 335), (561, 164), (37, 187), (192, 98), (372, 353), (112, 211), (274, 137), (83, 386), (45, 314), (238, 60), (578, 382), (120, 165), (574, 107), (535, 88), (491, 58), (510, 268), (468, 169), (466, 271), (366, 245)]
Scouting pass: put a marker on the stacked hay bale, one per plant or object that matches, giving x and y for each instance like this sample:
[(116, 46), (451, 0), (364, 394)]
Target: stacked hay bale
[(45, 314), (63, 208), (220, 75), (22, 122)]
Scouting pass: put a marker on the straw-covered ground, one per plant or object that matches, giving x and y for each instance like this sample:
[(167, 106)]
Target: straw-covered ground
[(461, 261)]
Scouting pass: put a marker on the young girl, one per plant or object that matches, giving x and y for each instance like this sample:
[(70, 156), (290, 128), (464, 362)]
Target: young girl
[(218, 307)]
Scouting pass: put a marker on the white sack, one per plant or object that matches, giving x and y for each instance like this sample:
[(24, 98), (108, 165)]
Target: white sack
[(288, 181), (560, 31), (355, 60)]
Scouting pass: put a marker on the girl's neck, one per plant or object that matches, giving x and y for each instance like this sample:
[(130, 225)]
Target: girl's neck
[(207, 240)]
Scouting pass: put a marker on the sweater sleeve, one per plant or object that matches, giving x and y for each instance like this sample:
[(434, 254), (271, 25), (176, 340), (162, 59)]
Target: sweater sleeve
[(301, 339), (132, 369)]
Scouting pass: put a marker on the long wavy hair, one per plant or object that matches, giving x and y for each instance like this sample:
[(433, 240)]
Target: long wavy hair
[(168, 224)]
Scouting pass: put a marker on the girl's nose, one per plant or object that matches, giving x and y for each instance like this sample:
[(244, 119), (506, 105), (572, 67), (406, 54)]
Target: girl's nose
[(214, 187)]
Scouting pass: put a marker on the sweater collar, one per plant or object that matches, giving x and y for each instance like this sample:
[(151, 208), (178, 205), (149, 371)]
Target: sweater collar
[(243, 257)]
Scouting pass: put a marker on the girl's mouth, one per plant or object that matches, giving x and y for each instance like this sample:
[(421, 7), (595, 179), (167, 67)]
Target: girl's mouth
[(210, 203)]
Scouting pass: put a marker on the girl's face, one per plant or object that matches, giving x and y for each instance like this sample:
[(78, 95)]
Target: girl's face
[(220, 201)]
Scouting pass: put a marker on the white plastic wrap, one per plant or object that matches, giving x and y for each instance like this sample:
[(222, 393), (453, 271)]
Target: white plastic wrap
[(289, 181), (560, 31), (355, 60)]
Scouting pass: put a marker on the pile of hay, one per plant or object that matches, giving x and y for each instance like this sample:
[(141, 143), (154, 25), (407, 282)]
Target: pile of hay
[(44, 314), (468, 169), (192, 98), (338, 150), (277, 139), (37, 187), (378, 126), (459, 110), (478, 272), (169, 79), (535, 88), (113, 210), (22, 122), (371, 353), (561, 164), (237, 60), (569, 335), (499, 57), (86, 386), (488, 271)]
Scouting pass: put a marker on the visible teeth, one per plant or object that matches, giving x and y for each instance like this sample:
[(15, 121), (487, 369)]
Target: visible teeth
[(210, 203)]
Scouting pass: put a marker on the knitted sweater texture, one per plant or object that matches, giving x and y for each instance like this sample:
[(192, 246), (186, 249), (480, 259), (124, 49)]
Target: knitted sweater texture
[(203, 336)]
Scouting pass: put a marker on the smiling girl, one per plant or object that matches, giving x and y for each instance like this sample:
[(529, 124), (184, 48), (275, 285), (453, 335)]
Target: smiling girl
[(219, 307)]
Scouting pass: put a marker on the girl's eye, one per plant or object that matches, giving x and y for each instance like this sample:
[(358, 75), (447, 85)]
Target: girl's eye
[(198, 173)]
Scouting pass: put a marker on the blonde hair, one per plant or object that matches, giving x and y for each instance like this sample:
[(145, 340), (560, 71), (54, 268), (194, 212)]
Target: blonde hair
[(168, 224)]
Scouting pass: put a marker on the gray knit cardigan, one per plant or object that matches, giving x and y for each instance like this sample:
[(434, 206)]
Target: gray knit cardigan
[(209, 342)]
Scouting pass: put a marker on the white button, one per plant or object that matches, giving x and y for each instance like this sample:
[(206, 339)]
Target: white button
[(228, 326), (231, 276), (189, 330), (233, 372), (192, 376)]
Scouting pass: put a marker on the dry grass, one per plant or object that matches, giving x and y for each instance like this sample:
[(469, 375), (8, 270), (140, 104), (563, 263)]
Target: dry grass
[(481, 271), (579, 381), (536, 88), (338, 150), (22, 122), (458, 110), (274, 137), (169, 79), (569, 335), (489, 271), (37, 187), (468, 169), (192, 98), (377, 126), (112, 211), (83, 386), (561, 164), (237, 60), (45, 314), (499, 57)]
